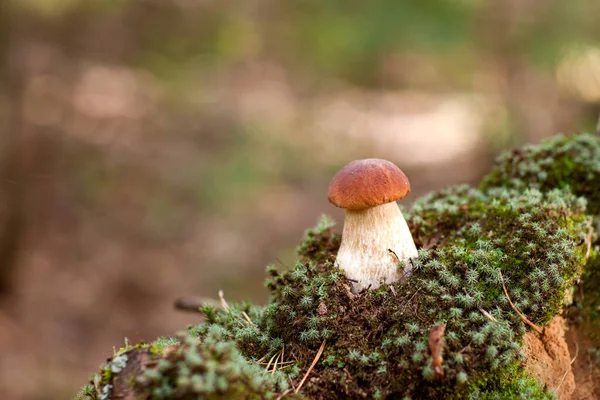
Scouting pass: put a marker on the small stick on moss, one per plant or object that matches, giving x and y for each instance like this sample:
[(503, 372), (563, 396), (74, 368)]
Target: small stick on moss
[(247, 318), (281, 364), (282, 395), (292, 383), (271, 361), (223, 302), (280, 359), (414, 294), (588, 240), (568, 369), (348, 374), (275, 363), (311, 365), (488, 315), (523, 318)]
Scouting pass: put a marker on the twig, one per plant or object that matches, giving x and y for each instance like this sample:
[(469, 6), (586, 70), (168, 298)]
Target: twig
[(247, 317), (414, 294), (348, 374), (292, 383), (279, 360), (523, 318), (275, 363), (588, 239), (281, 364), (311, 366), (282, 395), (568, 369), (223, 302), (488, 315), (271, 361)]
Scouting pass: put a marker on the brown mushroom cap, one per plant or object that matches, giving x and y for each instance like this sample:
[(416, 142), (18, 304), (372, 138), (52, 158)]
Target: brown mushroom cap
[(367, 183)]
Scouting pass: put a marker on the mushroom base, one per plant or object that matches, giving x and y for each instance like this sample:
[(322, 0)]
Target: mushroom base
[(374, 241)]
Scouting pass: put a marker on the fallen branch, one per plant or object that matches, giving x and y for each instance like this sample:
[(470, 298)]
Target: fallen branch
[(312, 365), (523, 318)]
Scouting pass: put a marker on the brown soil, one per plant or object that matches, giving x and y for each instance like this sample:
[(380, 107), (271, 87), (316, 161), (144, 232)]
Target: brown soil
[(560, 359), (548, 358)]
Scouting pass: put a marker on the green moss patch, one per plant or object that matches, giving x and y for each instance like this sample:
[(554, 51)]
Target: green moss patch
[(560, 162), (524, 224), (376, 341)]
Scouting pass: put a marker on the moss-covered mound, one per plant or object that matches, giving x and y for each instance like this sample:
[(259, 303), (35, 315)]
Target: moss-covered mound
[(561, 162), (532, 236), (377, 342), (212, 369)]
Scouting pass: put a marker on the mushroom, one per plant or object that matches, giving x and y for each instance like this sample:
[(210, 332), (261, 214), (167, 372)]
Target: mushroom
[(375, 236)]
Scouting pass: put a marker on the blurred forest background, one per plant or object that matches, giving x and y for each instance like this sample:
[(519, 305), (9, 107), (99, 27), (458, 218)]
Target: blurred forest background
[(152, 149)]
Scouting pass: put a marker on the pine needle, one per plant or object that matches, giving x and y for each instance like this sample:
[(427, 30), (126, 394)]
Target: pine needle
[(275, 363), (282, 395), (271, 361), (311, 365)]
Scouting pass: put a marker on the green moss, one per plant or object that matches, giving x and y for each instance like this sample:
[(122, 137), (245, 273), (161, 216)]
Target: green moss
[(512, 383), (211, 368), (465, 235), (319, 243), (87, 392), (586, 308), (561, 162), (524, 224)]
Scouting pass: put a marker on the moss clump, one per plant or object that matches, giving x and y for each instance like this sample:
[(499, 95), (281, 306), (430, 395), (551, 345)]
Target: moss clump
[(189, 367), (211, 368), (591, 300), (523, 225), (320, 243), (377, 341), (561, 162)]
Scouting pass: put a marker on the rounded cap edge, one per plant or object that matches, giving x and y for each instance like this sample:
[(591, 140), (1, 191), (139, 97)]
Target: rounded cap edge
[(367, 183)]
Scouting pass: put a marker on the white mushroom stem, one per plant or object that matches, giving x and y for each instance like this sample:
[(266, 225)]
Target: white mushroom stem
[(367, 238)]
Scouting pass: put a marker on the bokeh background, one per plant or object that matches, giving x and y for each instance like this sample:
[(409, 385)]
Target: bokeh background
[(152, 149)]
